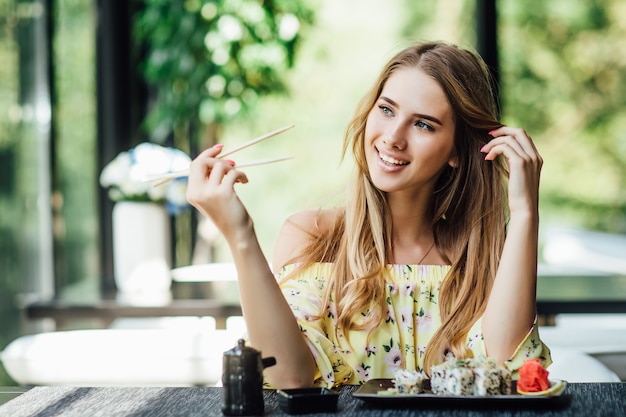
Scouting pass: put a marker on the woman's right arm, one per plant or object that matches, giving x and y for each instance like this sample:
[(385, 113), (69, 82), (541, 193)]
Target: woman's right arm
[(271, 326)]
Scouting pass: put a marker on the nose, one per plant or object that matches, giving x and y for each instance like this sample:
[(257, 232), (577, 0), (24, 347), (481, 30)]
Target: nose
[(394, 138)]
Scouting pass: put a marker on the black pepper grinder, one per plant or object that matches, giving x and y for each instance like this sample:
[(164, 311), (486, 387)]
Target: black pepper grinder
[(242, 380)]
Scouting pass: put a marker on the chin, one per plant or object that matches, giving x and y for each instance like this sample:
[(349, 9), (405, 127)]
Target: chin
[(383, 186)]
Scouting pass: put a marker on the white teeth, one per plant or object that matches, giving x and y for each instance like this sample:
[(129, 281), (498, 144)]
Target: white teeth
[(391, 160)]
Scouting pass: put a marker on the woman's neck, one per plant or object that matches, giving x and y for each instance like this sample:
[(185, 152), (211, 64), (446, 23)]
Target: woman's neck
[(412, 232)]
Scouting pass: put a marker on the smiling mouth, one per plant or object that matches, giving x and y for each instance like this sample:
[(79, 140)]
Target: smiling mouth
[(391, 161)]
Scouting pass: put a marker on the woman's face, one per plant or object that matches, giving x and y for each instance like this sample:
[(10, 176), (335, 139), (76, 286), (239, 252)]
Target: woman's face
[(409, 135)]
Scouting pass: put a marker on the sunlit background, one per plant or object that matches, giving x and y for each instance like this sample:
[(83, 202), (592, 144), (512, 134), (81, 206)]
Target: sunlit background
[(562, 78)]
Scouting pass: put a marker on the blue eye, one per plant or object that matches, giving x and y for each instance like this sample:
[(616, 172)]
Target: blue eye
[(424, 126), (385, 110)]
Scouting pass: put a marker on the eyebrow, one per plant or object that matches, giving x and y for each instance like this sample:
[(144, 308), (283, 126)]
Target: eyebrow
[(420, 115)]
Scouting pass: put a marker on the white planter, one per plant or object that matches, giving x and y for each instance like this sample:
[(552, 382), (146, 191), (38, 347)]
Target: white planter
[(141, 250)]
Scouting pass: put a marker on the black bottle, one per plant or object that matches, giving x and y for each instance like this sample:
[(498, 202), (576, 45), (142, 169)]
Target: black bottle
[(242, 381)]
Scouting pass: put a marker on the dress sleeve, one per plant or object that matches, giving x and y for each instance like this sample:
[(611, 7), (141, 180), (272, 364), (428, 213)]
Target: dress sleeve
[(304, 292), (530, 348)]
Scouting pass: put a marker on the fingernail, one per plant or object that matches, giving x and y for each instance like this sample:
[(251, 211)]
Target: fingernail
[(231, 162), (491, 132), (483, 148), (218, 146)]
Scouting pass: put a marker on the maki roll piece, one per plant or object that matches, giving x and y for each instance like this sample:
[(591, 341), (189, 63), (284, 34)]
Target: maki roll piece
[(409, 382), (438, 377), (506, 381), (487, 381), (460, 381)]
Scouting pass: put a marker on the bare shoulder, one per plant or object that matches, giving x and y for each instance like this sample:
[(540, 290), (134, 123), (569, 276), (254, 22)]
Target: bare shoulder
[(313, 221), (297, 232)]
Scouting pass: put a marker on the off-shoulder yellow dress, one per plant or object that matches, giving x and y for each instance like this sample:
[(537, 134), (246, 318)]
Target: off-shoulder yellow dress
[(399, 342)]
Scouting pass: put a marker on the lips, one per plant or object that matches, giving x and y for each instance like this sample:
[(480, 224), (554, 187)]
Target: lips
[(390, 160)]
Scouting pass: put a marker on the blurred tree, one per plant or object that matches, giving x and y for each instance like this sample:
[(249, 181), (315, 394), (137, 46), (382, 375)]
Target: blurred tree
[(449, 20), (564, 80), (208, 61)]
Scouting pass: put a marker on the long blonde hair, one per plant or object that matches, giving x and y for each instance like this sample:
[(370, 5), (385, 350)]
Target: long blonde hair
[(468, 206)]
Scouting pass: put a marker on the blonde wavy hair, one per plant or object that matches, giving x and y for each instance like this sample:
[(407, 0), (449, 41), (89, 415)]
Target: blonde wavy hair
[(468, 206)]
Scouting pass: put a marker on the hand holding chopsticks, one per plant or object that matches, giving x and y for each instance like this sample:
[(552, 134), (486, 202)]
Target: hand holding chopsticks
[(162, 179)]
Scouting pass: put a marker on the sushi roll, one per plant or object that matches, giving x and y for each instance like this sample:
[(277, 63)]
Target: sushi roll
[(472, 376), (438, 377), (460, 381), (487, 381), (506, 381), (409, 382)]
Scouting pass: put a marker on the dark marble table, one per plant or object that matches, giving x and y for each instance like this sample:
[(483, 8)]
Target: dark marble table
[(579, 400)]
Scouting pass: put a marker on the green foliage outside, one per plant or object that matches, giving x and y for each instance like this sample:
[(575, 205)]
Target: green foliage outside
[(564, 79), (210, 61)]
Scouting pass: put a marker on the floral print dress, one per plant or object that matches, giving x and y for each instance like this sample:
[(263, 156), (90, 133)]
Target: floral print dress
[(399, 342)]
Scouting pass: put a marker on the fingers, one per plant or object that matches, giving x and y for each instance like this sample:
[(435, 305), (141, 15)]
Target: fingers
[(201, 166), (233, 176), (207, 167), (216, 170), (210, 176), (524, 163), (513, 143)]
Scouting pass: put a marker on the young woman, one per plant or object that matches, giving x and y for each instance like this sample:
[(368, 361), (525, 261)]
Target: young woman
[(435, 251)]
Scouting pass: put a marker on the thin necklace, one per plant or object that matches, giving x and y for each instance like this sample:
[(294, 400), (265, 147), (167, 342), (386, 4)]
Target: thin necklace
[(427, 252)]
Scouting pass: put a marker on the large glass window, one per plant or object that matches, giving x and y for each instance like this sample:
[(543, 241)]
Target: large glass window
[(48, 216), (76, 178), (25, 160)]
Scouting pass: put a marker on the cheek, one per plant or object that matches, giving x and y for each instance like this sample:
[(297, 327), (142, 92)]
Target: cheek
[(446, 145), (438, 154), (372, 125)]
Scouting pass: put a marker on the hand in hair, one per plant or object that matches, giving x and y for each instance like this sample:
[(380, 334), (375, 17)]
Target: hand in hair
[(524, 166)]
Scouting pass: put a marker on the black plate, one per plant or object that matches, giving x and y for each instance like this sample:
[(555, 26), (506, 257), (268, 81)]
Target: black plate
[(308, 400), (370, 392)]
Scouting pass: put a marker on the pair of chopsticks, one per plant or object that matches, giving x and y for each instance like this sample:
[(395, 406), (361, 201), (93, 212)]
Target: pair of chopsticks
[(162, 179)]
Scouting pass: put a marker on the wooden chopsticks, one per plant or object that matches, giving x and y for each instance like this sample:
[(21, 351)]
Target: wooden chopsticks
[(162, 179)]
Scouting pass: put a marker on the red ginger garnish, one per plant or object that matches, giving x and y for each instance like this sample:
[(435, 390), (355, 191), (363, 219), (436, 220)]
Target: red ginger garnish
[(533, 377)]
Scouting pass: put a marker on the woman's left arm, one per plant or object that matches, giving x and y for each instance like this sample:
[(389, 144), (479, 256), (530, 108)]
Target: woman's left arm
[(511, 308)]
